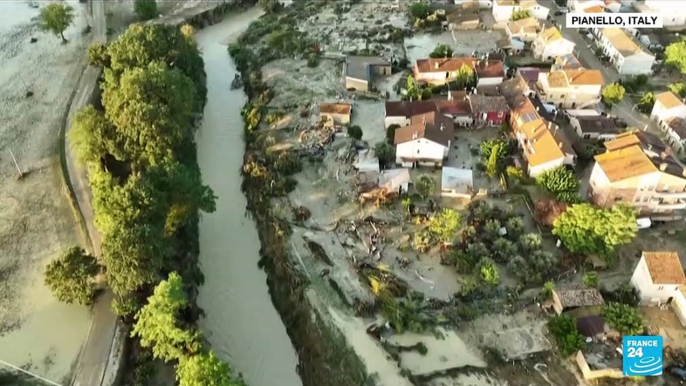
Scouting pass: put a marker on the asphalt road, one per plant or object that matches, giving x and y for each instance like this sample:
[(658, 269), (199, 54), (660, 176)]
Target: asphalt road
[(94, 356)]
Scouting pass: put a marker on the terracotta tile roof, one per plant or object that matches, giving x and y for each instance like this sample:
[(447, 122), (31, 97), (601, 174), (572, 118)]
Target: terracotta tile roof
[(557, 79), (541, 146), (622, 141), (455, 107), (624, 163), (490, 69), (549, 35), (594, 9), (411, 108), (335, 108), (444, 65), (622, 41), (579, 297), (665, 267), (668, 99), (433, 126), (488, 104), (584, 77)]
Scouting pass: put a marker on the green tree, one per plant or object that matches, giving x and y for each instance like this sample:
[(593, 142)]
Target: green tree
[(487, 147), (56, 18), (515, 173), (425, 186), (355, 132), (623, 318), (92, 136), (157, 322), (465, 76), (514, 227), (558, 180), (145, 9), (70, 277), (675, 55), (679, 89), (588, 230), (591, 279), (442, 51), (613, 94), (489, 273), (547, 291), (270, 6), (445, 224), (98, 56), (563, 329), (519, 15), (420, 10), (204, 370), (493, 162), (390, 133), (152, 109), (503, 250), (645, 105), (385, 153)]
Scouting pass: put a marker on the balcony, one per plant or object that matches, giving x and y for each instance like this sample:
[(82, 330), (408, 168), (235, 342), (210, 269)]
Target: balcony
[(672, 195), (658, 204)]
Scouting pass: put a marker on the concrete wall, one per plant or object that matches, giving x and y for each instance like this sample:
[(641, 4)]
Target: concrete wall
[(589, 374), (650, 293), (420, 149), (535, 171), (637, 65), (357, 84)]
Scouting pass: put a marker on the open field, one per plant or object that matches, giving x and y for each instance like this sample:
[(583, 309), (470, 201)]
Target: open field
[(36, 217)]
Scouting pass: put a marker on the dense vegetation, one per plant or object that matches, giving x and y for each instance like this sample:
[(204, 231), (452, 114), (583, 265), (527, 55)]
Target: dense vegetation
[(147, 190)]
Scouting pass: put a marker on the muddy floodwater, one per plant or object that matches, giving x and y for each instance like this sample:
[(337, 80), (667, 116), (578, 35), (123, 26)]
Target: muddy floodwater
[(241, 323)]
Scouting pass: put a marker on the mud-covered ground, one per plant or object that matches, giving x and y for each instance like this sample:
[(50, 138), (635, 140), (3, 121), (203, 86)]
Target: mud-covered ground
[(330, 245)]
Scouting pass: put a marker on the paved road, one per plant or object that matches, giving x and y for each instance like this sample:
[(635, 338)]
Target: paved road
[(94, 357)]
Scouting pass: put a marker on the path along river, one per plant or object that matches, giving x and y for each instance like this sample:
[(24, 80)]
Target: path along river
[(241, 322)]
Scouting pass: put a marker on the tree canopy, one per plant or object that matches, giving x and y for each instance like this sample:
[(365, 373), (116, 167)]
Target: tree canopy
[(157, 322), (585, 229), (92, 136), (442, 51), (445, 225), (56, 18), (70, 277), (204, 370), (425, 186), (675, 55), (623, 318), (613, 94), (145, 9)]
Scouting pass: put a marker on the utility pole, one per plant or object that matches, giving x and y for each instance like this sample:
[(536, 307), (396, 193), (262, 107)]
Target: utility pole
[(29, 373), (21, 174)]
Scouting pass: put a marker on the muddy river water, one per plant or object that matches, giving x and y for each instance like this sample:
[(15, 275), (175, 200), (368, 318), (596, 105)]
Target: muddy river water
[(241, 323)]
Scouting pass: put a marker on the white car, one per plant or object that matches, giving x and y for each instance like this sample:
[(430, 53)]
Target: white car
[(643, 223)]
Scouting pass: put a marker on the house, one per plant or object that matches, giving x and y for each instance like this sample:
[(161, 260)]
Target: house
[(667, 105), (426, 141), (570, 88), (530, 74), (673, 12), (514, 88), (598, 127), (524, 30), (566, 62), (463, 21), (395, 180), (488, 110), (658, 277), (567, 299), (676, 131), (543, 144), (581, 5), (613, 6), (441, 71), (624, 52), (550, 44), (360, 70), (639, 172), (457, 108), (489, 72), (457, 183), (339, 113), (503, 9)]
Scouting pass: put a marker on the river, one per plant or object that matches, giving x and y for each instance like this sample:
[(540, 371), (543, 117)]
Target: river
[(241, 323)]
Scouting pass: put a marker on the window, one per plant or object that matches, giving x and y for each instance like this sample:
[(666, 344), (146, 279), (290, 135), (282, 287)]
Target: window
[(618, 198), (637, 199), (562, 96), (661, 288), (645, 199), (500, 114)]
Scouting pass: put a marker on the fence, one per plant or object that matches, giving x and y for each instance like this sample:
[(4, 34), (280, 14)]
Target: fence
[(595, 374)]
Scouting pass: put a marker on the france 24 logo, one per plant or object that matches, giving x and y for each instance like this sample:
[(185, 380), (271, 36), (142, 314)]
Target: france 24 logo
[(642, 356)]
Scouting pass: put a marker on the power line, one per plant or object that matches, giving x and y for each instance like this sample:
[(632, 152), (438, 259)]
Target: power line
[(29, 373)]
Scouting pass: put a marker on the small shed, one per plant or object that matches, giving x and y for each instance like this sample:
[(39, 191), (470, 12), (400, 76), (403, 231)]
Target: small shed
[(457, 182), (395, 180), (339, 113), (566, 299), (366, 161)]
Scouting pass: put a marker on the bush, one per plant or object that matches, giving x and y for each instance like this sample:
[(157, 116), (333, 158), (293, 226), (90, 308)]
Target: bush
[(623, 318), (390, 133), (355, 132), (98, 56), (488, 273), (145, 9), (613, 94), (591, 279), (425, 186), (442, 51), (547, 211), (558, 180), (444, 225), (420, 10), (385, 153), (70, 277), (563, 329)]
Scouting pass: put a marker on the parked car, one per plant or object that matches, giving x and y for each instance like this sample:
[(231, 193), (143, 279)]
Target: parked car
[(559, 13), (677, 372)]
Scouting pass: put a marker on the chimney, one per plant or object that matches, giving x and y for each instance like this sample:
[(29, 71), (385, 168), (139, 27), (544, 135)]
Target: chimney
[(550, 125), (559, 145), (414, 135), (450, 95), (663, 166), (436, 65)]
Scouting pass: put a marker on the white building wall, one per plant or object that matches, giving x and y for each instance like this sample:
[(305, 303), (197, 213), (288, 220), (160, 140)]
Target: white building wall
[(637, 64), (502, 12), (650, 293), (535, 171), (420, 149), (489, 81), (660, 113), (391, 120), (553, 49), (540, 12)]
